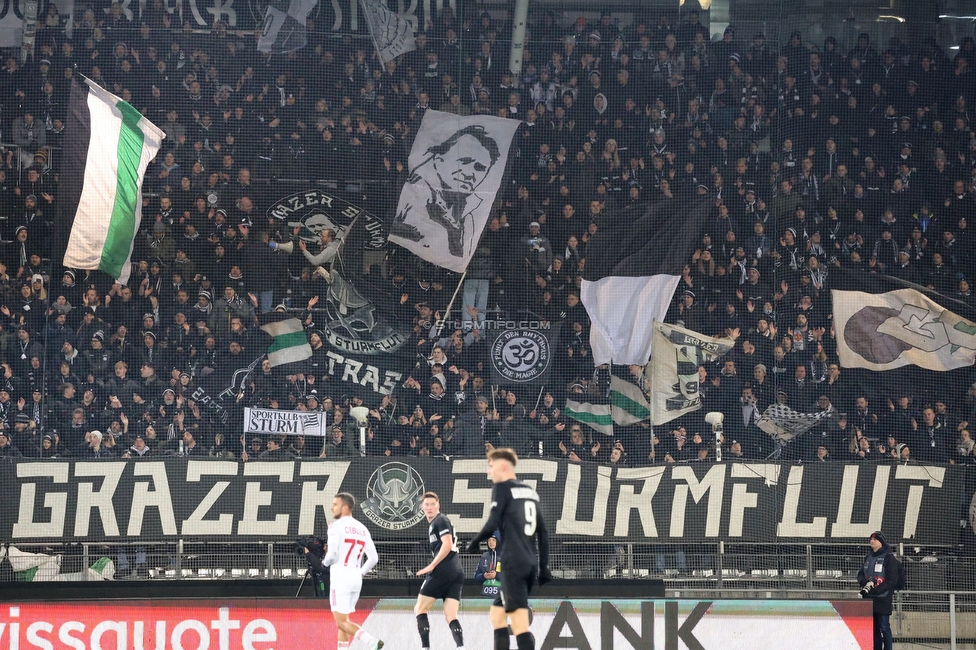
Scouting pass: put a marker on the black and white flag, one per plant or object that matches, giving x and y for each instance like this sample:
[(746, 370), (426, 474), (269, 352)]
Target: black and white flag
[(456, 168), (284, 26), (673, 370), (783, 423), (522, 357), (633, 266), (392, 35)]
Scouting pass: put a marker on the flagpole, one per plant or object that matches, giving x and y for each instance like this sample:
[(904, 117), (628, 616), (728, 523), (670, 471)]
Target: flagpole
[(539, 399), (447, 313)]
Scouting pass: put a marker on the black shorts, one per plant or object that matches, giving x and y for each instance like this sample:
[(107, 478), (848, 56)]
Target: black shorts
[(444, 582), (516, 587)]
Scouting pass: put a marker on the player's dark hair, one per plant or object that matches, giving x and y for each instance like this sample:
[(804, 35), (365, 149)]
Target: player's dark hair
[(347, 500), (504, 453), (430, 495)]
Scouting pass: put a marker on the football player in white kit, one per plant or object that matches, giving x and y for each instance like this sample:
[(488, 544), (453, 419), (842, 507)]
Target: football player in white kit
[(349, 541)]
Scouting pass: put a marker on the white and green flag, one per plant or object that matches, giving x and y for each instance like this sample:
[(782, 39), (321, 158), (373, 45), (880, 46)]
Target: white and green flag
[(289, 343), (108, 145), (627, 406)]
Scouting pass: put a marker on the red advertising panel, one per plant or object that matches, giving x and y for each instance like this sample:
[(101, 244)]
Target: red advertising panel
[(267, 624)]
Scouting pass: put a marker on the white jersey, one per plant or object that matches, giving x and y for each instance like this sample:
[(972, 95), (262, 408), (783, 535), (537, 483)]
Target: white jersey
[(349, 543)]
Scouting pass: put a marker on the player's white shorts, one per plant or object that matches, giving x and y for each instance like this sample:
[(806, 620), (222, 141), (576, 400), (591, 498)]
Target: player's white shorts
[(343, 599)]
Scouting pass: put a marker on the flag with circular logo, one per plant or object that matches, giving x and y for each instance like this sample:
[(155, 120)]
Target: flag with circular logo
[(522, 356)]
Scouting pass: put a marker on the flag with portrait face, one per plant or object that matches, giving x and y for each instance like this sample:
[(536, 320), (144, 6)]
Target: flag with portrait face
[(457, 165)]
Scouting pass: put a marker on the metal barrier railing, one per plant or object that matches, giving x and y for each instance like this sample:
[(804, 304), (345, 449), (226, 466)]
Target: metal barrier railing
[(743, 567), (689, 572)]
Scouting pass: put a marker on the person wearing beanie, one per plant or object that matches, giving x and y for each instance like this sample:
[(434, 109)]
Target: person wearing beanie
[(878, 578)]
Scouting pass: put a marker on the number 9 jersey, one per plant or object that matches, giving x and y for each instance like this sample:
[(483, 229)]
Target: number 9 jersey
[(516, 512)]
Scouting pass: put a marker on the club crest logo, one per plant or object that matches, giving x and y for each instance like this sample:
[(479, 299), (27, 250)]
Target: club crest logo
[(313, 211), (521, 355), (393, 496)]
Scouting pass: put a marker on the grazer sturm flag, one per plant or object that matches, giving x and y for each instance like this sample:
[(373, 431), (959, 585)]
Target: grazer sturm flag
[(672, 373), (633, 266), (627, 406), (783, 423), (107, 147), (900, 327), (289, 343), (284, 26), (457, 165), (391, 34)]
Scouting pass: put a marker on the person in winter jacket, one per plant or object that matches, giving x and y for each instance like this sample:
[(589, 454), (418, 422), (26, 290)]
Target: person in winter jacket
[(489, 561), (878, 578)]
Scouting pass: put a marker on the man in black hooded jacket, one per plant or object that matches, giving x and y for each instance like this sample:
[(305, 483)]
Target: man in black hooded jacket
[(878, 578)]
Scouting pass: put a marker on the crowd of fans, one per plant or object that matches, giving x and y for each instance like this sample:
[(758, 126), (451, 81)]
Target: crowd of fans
[(816, 156)]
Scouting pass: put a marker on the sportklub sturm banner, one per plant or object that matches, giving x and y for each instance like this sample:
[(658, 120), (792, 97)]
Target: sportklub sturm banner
[(268, 501)]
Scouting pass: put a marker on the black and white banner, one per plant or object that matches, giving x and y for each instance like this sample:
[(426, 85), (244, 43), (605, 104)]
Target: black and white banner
[(366, 374), (783, 423), (457, 165), (391, 34), (312, 211), (673, 370), (269, 501), (522, 357), (284, 26), (291, 423)]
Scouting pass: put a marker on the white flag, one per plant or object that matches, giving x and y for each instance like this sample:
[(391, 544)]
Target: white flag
[(783, 423), (883, 331), (673, 371), (392, 35), (456, 167)]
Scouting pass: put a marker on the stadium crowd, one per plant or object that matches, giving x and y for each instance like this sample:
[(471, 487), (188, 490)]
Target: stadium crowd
[(816, 156)]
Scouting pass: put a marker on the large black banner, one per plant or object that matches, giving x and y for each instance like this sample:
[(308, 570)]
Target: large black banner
[(269, 501)]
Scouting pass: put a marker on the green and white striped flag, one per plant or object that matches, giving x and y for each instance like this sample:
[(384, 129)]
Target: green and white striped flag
[(596, 415), (107, 147), (627, 402), (627, 406), (289, 342)]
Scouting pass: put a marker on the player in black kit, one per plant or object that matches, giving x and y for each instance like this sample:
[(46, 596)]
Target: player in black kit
[(445, 576), (515, 512)]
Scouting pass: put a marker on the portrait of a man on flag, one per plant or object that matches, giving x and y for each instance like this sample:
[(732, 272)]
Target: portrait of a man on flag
[(448, 178), (456, 169)]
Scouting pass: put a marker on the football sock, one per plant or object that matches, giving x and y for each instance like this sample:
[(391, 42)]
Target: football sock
[(343, 645), (501, 638), (455, 626), (364, 636), (525, 641), (423, 626)]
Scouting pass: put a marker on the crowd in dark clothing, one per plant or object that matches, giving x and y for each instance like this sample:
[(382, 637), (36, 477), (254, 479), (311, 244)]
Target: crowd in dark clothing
[(816, 157)]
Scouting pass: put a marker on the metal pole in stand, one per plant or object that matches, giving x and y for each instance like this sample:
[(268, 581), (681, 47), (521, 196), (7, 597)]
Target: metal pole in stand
[(539, 399), (519, 18), (447, 312)]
